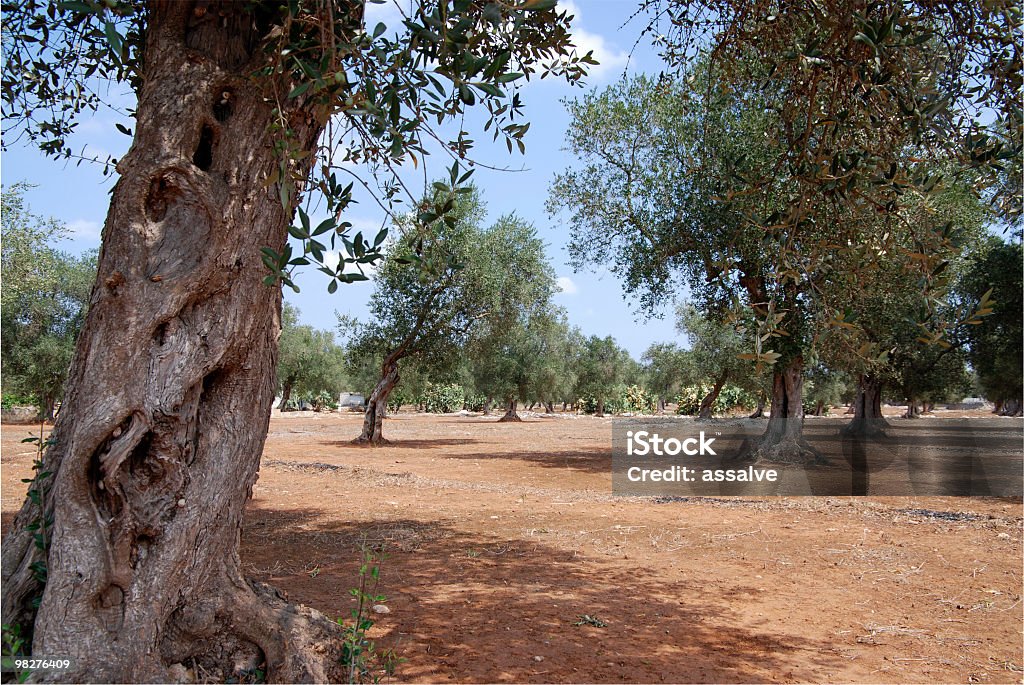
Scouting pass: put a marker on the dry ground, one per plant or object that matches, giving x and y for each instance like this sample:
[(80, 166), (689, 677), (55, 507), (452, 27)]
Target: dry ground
[(499, 537)]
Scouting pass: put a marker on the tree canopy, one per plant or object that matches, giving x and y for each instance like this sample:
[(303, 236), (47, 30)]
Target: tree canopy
[(44, 301)]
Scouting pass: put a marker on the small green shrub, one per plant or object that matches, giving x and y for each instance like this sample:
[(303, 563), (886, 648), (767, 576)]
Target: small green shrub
[(474, 402), (13, 399), (731, 397), (443, 399), (365, 663), (325, 401), (612, 404), (398, 398), (637, 400)]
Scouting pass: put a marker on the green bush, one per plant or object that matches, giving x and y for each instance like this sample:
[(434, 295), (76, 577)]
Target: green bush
[(731, 397), (17, 400), (612, 405), (474, 402), (443, 399), (637, 400), (399, 397), (325, 401)]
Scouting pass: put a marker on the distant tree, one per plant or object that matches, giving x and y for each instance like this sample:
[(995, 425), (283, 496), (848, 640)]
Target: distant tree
[(879, 327), (602, 368), (310, 361), (824, 388), (995, 343), (717, 350), (436, 283), (667, 368), (506, 351), (554, 374), (43, 302)]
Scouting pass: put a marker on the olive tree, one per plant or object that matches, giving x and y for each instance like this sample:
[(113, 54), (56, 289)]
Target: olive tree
[(247, 112), (43, 302)]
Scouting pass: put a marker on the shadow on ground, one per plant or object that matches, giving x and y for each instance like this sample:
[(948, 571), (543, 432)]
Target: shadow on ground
[(483, 608)]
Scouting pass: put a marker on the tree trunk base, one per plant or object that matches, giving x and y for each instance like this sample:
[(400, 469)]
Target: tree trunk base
[(510, 418), (364, 441), (866, 428), (784, 451)]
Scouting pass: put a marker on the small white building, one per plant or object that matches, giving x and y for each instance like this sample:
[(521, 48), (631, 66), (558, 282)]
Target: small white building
[(351, 399)]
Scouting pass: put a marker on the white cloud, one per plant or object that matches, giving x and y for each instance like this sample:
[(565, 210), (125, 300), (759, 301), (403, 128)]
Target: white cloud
[(566, 286), (611, 58), (84, 229)]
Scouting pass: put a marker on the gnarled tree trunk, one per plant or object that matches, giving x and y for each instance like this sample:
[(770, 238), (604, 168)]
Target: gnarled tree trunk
[(168, 401), (510, 412), (708, 403), (783, 440), (377, 405), (867, 409)]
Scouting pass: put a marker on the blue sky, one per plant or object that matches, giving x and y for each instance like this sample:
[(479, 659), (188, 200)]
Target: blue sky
[(78, 195)]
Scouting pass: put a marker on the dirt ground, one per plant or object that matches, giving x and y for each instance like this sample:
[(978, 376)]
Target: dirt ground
[(500, 537)]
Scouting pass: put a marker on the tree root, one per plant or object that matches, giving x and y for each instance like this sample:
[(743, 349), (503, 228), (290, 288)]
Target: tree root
[(363, 441), (866, 428), (509, 418), (785, 451), (300, 644)]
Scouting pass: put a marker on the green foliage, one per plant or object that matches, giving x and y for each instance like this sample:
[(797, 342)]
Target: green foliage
[(995, 348), (16, 400), (730, 398), (825, 388), (398, 398), (601, 368), (637, 400), (667, 367), (442, 399), (14, 645), (385, 93), (42, 304), (512, 352), (588, 404), (431, 290), (311, 365), (856, 86), (474, 402), (718, 175)]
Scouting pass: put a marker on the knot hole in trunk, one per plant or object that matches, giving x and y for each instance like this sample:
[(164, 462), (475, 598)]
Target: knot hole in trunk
[(203, 156)]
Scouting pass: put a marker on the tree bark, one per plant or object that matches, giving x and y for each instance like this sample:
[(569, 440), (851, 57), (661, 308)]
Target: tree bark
[(783, 440), (600, 408), (549, 407), (912, 412), (510, 412), (487, 406), (171, 386), (377, 406), (708, 403), (867, 409)]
